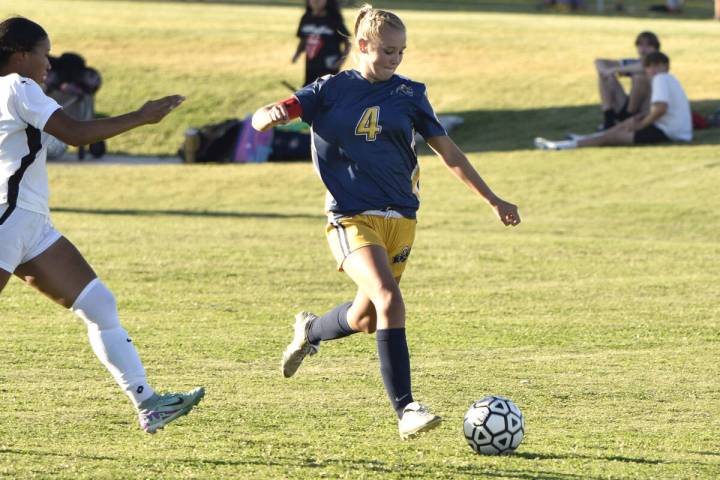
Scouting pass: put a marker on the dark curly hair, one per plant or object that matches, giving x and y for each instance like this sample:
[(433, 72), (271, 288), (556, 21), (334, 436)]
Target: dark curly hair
[(18, 34)]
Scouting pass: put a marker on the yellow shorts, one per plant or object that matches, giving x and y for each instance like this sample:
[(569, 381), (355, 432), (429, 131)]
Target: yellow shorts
[(395, 235)]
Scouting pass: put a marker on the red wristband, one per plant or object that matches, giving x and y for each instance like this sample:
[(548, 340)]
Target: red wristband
[(293, 107)]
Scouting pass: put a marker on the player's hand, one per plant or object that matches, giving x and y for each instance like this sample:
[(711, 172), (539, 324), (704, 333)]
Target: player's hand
[(155, 110), (279, 114), (506, 212)]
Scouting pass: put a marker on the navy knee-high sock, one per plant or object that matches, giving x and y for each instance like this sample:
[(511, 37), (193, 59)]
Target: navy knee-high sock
[(330, 326), (395, 367)]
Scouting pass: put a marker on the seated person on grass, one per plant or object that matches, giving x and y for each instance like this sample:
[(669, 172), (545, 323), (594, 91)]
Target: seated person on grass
[(669, 118), (616, 104)]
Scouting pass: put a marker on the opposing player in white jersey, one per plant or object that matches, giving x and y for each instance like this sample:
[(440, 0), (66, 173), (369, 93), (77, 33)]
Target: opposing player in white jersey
[(30, 247)]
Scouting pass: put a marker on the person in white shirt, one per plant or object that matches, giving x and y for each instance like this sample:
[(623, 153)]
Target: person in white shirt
[(669, 119), (30, 247)]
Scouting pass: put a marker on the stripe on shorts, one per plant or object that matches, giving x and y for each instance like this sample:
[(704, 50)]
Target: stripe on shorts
[(13, 188), (342, 237)]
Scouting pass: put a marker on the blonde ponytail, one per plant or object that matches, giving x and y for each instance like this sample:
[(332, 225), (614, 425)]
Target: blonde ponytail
[(370, 22)]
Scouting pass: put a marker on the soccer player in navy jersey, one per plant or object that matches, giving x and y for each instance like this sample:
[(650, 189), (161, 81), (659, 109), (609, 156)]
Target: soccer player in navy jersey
[(363, 127)]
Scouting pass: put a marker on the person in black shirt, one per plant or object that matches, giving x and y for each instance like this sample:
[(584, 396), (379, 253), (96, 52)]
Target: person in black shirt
[(324, 39)]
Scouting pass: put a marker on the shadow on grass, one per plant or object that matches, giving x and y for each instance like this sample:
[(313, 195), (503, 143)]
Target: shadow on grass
[(574, 456), (607, 458), (369, 465), (714, 454), (692, 9), (377, 466), (508, 130), (185, 213)]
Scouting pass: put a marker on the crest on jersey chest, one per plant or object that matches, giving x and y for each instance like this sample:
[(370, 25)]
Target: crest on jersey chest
[(403, 90)]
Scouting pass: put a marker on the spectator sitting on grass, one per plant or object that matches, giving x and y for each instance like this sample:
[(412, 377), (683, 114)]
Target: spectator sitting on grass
[(616, 104), (669, 118)]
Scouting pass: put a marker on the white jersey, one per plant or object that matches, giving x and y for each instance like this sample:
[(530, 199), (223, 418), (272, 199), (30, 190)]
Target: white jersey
[(24, 110), (676, 123)]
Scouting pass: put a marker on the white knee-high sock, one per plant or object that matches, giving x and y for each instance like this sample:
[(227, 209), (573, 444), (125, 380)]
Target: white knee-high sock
[(97, 307)]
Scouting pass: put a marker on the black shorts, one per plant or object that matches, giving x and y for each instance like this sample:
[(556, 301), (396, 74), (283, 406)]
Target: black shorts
[(650, 135), (623, 114)]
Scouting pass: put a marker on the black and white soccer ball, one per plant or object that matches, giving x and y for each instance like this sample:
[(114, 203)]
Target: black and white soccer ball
[(494, 425)]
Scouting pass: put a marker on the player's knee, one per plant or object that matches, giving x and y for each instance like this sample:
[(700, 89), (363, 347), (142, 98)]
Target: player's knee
[(388, 301), (96, 306), (367, 323), (362, 317)]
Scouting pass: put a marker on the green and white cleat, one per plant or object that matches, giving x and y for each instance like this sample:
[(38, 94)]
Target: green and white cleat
[(299, 348), (159, 410), (416, 419)]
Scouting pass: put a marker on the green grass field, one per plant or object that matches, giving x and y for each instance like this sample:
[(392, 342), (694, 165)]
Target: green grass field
[(598, 315)]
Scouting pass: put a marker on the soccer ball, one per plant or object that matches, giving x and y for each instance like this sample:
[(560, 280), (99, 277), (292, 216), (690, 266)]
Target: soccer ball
[(494, 425)]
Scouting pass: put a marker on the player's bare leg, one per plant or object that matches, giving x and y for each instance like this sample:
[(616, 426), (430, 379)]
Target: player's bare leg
[(62, 274), (362, 315), (369, 268), (310, 330)]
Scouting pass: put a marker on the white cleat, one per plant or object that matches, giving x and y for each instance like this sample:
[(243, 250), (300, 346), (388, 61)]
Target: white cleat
[(416, 419), (299, 348)]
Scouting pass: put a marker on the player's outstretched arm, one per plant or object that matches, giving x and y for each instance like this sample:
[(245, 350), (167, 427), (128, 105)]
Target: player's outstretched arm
[(79, 132), (276, 114), (456, 161)]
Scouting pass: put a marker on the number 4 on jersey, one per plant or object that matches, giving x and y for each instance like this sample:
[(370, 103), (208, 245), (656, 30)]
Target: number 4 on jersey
[(368, 124)]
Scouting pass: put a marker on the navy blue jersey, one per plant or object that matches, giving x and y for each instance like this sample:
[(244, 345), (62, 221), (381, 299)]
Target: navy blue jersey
[(363, 140)]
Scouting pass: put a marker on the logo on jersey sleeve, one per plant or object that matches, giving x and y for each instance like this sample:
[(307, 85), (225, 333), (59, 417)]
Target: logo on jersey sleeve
[(369, 124)]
